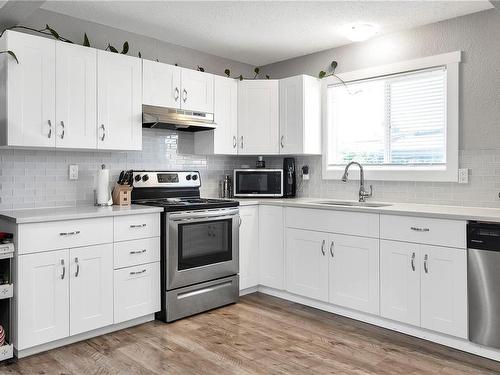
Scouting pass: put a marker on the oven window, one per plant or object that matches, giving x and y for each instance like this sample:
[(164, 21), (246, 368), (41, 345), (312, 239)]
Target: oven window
[(204, 243)]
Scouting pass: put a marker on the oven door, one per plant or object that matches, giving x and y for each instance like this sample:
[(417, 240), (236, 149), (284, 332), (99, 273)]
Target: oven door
[(201, 246)]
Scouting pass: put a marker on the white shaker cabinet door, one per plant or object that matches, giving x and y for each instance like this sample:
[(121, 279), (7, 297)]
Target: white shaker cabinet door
[(400, 281), (31, 91), (161, 84), (226, 116), (444, 290), (354, 272), (91, 288), (42, 298), (307, 263), (76, 96), (119, 102), (249, 247), (272, 249), (197, 91)]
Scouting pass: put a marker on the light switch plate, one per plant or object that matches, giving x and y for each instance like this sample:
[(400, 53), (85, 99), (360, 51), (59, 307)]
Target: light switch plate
[(73, 172), (463, 176)]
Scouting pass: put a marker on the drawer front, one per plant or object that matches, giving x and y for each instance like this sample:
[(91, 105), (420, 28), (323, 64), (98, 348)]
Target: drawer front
[(137, 291), (132, 227), (54, 235), (342, 222), (451, 233), (135, 252)]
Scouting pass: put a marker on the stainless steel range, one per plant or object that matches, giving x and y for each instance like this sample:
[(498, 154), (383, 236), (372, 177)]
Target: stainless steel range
[(199, 243)]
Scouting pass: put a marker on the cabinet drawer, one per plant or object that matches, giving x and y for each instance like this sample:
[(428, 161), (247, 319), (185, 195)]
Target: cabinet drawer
[(53, 235), (133, 227), (132, 253), (342, 222), (423, 230), (137, 291)]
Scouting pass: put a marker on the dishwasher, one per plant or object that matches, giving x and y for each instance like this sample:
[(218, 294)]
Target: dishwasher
[(483, 268)]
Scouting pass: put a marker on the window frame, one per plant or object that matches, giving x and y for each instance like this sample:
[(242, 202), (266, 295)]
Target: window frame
[(438, 173)]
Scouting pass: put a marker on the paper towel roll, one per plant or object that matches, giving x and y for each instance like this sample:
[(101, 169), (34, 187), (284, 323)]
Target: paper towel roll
[(102, 189)]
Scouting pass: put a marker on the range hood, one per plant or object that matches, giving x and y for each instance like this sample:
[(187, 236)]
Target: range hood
[(154, 117)]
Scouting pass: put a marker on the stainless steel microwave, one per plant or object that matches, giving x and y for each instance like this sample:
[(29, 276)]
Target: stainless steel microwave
[(258, 182)]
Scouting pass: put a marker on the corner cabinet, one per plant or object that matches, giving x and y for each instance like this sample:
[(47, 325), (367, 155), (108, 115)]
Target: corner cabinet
[(271, 247)]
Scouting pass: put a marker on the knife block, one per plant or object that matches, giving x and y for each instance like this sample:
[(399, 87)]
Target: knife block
[(122, 195)]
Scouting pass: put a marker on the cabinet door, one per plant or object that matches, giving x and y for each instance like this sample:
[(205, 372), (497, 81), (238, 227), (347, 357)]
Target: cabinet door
[(249, 247), (91, 288), (226, 116), (444, 290), (76, 96), (306, 263), (400, 281), (31, 91), (272, 249), (119, 108), (161, 84), (43, 298), (291, 115), (197, 91), (354, 272), (258, 117)]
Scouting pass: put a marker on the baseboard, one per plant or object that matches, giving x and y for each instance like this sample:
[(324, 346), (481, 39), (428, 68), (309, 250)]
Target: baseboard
[(252, 289), (421, 333), (82, 336)]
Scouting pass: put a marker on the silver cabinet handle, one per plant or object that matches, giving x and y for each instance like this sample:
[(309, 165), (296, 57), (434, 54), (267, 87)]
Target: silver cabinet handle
[(417, 229), (176, 94), (77, 267), (235, 141), (185, 95), (69, 233), (323, 247), (241, 141), (50, 129), (138, 251), (137, 272), (426, 268), (103, 132), (138, 225), (413, 261), (281, 142), (63, 269), (331, 249), (63, 130)]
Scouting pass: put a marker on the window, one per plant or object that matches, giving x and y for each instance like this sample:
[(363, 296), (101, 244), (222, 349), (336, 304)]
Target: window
[(397, 124)]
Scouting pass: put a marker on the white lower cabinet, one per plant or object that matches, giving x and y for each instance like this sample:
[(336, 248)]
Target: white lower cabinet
[(354, 272), (137, 291), (42, 298), (271, 247), (306, 263), (249, 246), (424, 285), (91, 288)]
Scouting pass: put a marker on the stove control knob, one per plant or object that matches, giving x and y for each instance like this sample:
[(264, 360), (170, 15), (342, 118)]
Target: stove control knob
[(145, 178), (137, 177), (188, 177), (194, 177)]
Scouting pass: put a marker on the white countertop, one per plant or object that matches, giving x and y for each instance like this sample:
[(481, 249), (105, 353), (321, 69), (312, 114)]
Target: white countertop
[(37, 215), (408, 209)]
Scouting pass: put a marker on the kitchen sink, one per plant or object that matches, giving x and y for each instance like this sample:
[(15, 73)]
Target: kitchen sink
[(353, 203)]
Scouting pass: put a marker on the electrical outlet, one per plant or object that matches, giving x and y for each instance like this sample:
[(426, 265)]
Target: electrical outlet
[(305, 172), (73, 172), (463, 176)]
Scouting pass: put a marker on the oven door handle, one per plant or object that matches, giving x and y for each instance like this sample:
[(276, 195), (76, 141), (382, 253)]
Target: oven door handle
[(203, 215)]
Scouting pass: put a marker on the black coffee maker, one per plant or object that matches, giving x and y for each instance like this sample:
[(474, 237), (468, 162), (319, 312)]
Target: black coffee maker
[(289, 178)]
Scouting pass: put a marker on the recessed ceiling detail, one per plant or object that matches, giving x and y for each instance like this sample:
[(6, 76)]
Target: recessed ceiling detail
[(261, 32)]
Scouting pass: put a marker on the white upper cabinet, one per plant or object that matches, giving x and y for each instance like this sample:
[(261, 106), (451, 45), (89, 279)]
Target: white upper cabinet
[(76, 96), (161, 84), (300, 115), (223, 139), (27, 91), (258, 117), (197, 91), (119, 98)]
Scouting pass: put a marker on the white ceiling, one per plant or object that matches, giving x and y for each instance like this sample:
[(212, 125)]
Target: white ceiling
[(260, 32)]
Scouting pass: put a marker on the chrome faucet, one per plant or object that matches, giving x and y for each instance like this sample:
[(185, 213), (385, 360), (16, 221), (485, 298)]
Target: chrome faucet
[(363, 194)]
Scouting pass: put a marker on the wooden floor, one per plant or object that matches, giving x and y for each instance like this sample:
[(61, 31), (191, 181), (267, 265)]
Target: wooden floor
[(259, 335)]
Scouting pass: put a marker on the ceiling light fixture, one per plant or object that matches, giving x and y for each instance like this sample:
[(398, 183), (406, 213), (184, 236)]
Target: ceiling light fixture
[(358, 32)]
